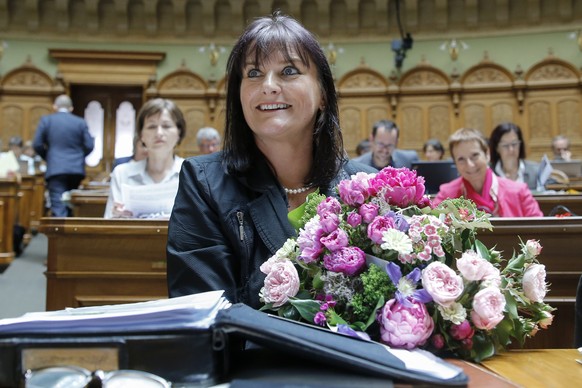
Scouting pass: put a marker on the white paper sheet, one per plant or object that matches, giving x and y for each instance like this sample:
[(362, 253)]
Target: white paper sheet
[(150, 201)]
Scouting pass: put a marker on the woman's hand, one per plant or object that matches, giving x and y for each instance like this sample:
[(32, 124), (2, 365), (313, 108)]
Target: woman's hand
[(119, 211)]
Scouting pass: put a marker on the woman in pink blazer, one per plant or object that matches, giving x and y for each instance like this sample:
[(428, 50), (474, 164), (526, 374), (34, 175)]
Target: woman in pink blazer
[(498, 196)]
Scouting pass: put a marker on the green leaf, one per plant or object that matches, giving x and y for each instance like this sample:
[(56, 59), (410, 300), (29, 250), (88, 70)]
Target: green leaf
[(372, 317), (482, 250), (306, 308), (511, 305), (335, 319), (482, 347)]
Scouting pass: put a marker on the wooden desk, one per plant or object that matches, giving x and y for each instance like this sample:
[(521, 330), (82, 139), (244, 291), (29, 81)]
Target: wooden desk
[(89, 203), (8, 216), (538, 368), (97, 261), (550, 201), (561, 254)]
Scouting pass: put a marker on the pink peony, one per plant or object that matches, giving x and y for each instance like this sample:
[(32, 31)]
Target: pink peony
[(405, 327), (355, 191), (368, 211), (438, 341), (442, 283), (280, 284), (462, 331), (354, 219), (336, 240), (534, 282), (399, 186), (329, 205), (329, 222), (377, 228), (308, 241), (488, 305), (349, 261)]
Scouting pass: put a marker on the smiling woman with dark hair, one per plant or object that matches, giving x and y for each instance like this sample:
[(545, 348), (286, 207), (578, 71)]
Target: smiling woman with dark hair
[(282, 141)]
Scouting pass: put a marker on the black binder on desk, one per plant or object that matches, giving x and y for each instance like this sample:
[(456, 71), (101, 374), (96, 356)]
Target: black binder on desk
[(203, 356)]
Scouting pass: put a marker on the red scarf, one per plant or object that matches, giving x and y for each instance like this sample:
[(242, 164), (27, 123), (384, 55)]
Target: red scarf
[(483, 200)]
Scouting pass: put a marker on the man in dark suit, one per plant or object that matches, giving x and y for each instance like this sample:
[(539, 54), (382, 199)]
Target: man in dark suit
[(384, 151), (63, 141)]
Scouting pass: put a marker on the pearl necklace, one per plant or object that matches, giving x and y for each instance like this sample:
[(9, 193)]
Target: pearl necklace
[(296, 191)]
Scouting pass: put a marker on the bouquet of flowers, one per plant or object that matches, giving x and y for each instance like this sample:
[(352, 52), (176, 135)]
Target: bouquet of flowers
[(382, 263)]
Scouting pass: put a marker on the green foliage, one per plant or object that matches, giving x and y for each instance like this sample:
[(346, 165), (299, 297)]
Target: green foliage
[(312, 201), (376, 284)]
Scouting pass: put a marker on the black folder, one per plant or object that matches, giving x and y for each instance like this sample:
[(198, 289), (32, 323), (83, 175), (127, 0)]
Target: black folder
[(204, 357)]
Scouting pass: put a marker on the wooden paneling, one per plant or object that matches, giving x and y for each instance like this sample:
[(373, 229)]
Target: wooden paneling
[(8, 213)]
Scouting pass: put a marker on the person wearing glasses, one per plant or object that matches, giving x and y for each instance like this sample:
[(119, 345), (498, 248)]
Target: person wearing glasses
[(498, 196), (208, 140), (561, 148), (508, 155), (384, 148)]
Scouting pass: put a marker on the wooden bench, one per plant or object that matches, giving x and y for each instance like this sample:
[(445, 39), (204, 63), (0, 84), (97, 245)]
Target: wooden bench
[(561, 239), (97, 261), (89, 203), (8, 215), (549, 201)]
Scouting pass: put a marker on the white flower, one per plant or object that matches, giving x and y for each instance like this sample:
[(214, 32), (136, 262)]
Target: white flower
[(455, 313), (396, 240), (532, 248), (534, 283), (283, 254)]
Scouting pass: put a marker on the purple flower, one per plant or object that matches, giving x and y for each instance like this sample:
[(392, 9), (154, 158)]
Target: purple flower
[(406, 286), (345, 329), (336, 240), (349, 261), (320, 319)]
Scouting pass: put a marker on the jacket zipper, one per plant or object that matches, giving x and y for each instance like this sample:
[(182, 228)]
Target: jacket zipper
[(241, 230)]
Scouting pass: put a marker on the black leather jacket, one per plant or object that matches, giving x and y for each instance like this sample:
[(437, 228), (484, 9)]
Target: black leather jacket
[(223, 227)]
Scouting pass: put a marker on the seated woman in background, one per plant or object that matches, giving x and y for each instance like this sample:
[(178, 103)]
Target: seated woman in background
[(433, 150), (160, 126), (495, 195), (508, 156)]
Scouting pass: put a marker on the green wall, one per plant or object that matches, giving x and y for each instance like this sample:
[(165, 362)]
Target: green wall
[(509, 51)]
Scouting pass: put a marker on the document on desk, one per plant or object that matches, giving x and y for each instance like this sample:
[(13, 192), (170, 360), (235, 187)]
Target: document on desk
[(197, 311), (150, 200)]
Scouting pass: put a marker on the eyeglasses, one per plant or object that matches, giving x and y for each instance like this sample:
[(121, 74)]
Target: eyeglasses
[(75, 377), (508, 146), (385, 146)]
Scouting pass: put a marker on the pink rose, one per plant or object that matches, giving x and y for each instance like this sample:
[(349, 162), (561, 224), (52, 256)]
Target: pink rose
[(442, 283), (405, 327), (280, 284), (348, 260), (438, 341), (474, 268), (488, 305), (534, 282)]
